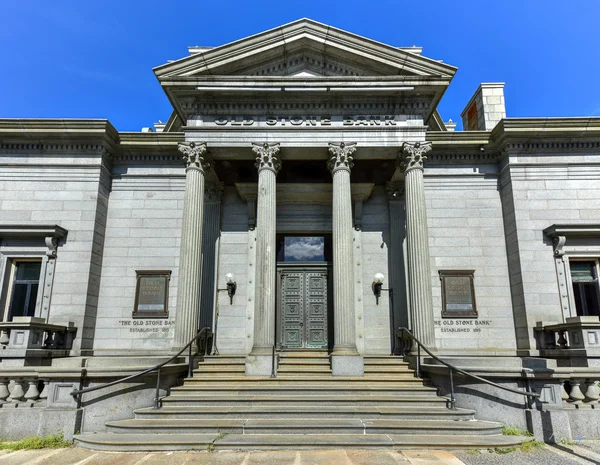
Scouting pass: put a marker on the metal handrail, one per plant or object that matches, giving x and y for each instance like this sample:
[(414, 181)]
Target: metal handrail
[(203, 334), (453, 368)]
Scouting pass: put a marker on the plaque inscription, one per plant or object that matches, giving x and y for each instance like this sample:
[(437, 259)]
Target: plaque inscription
[(152, 294), (458, 294)]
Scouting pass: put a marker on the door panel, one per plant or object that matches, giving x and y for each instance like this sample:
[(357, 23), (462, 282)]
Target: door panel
[(303, 308), (292, 311), (316, 310)]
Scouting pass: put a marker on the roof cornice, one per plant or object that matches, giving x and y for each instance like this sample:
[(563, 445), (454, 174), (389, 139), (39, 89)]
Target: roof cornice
[(46, 131), (574, 127), (150, 141)]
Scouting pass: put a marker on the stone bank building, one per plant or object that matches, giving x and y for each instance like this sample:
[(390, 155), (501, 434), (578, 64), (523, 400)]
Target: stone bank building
[(303, 202)]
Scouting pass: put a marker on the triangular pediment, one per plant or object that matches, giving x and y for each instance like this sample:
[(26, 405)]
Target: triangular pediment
[(304, 48)]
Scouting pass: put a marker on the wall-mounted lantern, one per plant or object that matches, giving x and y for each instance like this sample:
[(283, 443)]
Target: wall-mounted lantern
[(231, 286), (377, 285)]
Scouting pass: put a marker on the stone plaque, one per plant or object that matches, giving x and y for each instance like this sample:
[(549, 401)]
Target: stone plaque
[(152, 294), (458, 294)]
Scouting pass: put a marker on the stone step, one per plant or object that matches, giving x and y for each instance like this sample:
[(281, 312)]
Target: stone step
[(304, 362), (225, 358), (306, 411), (390, 362), (170, 442), (315, 400), (390, 368), (217, 362), (281, 379), (302, 426), (303, 370), (202, 368), (249, 389)]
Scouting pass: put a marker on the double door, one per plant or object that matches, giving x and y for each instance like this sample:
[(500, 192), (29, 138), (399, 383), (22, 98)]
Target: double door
[(303, 307)]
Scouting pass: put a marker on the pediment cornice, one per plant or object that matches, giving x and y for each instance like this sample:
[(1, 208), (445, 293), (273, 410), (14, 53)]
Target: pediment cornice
[(307, 36)]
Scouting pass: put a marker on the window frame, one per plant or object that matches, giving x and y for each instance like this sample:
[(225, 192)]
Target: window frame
[(23, 242), (596, 261), (571, 242), (12, 282)]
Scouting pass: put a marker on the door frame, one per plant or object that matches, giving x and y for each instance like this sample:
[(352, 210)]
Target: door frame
[(282, 266)]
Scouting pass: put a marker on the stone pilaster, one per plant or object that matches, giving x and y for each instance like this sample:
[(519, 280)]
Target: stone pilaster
[(213, 193), (397, 270), (345, 359), (190, 255), (419, 268), (268, 163)]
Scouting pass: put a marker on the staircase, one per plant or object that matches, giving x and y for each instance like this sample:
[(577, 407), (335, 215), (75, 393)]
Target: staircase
[(303, 408)]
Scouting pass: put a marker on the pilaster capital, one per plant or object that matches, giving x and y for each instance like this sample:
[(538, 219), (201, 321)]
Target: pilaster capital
[(413, 155), (194, 156), (213, 191), (267, 156), (341, 156), (395, 190)]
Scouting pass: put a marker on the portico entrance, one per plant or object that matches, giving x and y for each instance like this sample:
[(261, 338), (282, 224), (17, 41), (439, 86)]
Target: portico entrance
[(303, 293)]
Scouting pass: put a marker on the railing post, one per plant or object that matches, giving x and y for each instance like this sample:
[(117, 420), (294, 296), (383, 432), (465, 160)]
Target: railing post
[(418, 360), (273, 362), (157, 396), (452, 397), (190, 363)]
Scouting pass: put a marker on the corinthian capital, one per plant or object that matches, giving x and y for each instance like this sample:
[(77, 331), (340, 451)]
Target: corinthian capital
[(194, 156), (413, 155), (267, 156), (341, 156)]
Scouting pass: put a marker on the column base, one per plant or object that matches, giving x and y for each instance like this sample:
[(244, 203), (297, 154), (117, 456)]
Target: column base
[(347, 365), (259, 365)]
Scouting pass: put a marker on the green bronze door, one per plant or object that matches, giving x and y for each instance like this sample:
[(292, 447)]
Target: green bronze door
[(303, 307)]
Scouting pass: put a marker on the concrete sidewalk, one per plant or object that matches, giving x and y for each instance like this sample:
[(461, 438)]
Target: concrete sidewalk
[(579, 453), (78, 456)]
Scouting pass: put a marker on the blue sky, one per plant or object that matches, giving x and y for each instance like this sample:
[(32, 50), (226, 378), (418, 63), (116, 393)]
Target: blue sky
[(94, 59)]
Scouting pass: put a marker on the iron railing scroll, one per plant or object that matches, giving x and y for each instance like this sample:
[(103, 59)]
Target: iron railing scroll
[(406, 334), (201, 339)]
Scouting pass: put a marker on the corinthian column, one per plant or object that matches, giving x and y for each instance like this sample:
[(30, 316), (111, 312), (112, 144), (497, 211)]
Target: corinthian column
[(417, 237), (190, 254), (345, 359), (259, 362)]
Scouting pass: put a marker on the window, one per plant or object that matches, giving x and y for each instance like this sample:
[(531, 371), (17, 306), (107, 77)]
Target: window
[(24, 288), (586, 291)]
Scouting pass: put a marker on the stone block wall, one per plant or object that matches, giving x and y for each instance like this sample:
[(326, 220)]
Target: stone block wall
[(143, 230), (535, 196), (466, 232), (68, 188), (236, 253), (372, 256)]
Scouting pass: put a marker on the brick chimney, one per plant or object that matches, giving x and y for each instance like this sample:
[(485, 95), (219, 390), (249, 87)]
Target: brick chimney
[(486, 108)]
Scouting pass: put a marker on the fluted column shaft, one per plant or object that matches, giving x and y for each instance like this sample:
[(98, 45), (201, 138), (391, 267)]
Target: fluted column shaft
[(190, 256), (210, 238), (344, 332), (419, 268), (268, 164)]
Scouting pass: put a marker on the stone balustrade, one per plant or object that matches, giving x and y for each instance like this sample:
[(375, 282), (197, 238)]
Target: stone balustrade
[(33, 337), (26, 391), (578, 337), (581, 391)]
